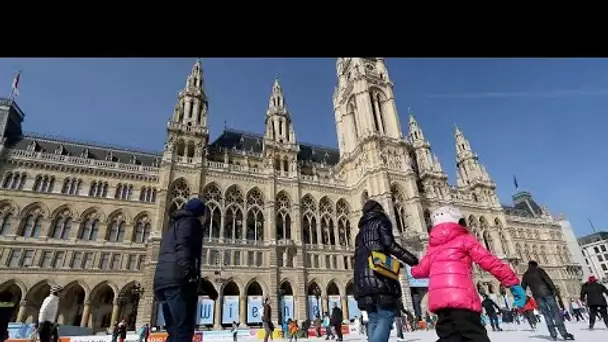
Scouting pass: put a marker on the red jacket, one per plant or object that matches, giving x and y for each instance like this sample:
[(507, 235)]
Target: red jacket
[(530, 305), (448, 264)]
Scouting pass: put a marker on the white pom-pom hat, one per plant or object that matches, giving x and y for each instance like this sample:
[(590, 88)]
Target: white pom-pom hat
[(447, 214)]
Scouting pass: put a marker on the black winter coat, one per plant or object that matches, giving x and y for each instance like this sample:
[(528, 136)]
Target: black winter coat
[(490, 306), (376, 234), (179, 258), (594, 294), (336, 316), (539, 282)]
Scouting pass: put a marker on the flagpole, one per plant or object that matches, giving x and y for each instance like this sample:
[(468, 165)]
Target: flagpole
[(591, 224)]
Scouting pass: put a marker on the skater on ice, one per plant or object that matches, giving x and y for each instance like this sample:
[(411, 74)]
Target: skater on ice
[(377, 288), (544, 292), (593, 292), (492, 310), (448, 265)]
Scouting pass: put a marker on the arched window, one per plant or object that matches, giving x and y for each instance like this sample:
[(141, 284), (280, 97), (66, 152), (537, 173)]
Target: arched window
[(90, 227)]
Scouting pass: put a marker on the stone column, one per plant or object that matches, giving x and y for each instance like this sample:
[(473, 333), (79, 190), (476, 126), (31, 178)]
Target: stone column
[(324, 304), (243, 310), (86, 312), (406, 294), (344, 301), (319, 231), (115, 313), (146, 309), (22, 311), (217, 316)]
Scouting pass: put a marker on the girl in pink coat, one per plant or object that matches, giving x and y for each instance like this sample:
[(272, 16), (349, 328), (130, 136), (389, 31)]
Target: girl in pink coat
[(448, 264)]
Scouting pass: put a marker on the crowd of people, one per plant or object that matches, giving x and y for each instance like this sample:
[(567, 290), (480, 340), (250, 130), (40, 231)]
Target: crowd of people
[(458, 311)]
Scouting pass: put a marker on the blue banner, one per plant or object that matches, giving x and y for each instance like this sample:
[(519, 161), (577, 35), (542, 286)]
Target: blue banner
[(20, 330), (287, 307), (333, 301), (254, 309), (415, 282), (230, 310), (160, 318), (206, 308), (353, 308), (314, 307)]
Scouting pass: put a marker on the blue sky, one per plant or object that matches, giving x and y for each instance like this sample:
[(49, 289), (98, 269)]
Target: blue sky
[(542, 119)]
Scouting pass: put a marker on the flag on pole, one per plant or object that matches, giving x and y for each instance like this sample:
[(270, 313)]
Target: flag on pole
[(15, 87), (515, 182)]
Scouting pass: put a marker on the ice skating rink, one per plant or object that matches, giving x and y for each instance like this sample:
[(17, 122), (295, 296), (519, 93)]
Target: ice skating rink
[(520, 333)]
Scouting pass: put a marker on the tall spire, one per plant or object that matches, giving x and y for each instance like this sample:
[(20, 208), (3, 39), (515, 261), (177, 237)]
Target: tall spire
[(278, 123), (276, 105), (195, 79), (415, 131), (467, 161), (192, 103), (463, 147)]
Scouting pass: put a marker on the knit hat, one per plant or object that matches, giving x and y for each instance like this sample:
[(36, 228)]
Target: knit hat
[(371, 205), (56, 288), (592, 279), (446, 214), (196, 207)]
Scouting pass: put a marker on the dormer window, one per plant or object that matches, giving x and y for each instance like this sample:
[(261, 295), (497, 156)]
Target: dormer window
[(156, 162), (133, 160), (110, 156), (32, 146), (85, 153)]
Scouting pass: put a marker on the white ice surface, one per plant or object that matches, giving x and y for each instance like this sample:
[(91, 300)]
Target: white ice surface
[(520, 333)]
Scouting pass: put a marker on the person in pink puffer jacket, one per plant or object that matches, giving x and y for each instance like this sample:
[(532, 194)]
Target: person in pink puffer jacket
[(448, 264)]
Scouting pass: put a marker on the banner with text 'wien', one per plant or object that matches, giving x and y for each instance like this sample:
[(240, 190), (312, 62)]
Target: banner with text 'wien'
[(230, 309), (254, 309)]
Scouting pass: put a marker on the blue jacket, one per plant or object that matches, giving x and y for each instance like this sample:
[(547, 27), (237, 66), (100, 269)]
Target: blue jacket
[(179, 258)]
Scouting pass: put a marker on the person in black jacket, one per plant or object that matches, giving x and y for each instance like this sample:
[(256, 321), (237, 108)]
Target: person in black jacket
[(544, 292), (492, 311), (177, 275), (593, 292), (336, 321), (377, 294)]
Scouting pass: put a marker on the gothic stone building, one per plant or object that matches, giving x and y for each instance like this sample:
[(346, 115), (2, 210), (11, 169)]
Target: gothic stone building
[(283, 214)]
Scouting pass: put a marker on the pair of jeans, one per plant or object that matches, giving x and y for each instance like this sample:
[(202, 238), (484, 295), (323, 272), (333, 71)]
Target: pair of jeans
[(379, 324), (494, 321), (553, 316), (179, 305)]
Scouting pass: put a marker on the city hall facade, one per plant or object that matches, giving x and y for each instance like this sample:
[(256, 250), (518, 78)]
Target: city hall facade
[(283, 215)]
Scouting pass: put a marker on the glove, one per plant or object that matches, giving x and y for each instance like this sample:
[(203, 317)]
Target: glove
[(519, 296)]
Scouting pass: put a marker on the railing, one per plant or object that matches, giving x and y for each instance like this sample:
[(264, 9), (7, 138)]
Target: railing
[(79, 161)]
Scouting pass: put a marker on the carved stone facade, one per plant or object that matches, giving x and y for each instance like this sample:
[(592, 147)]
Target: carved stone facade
[(283, 214)]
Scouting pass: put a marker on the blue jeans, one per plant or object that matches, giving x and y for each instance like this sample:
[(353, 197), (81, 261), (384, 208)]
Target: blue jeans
[(179, 305), (553, 317), (380, 324)]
